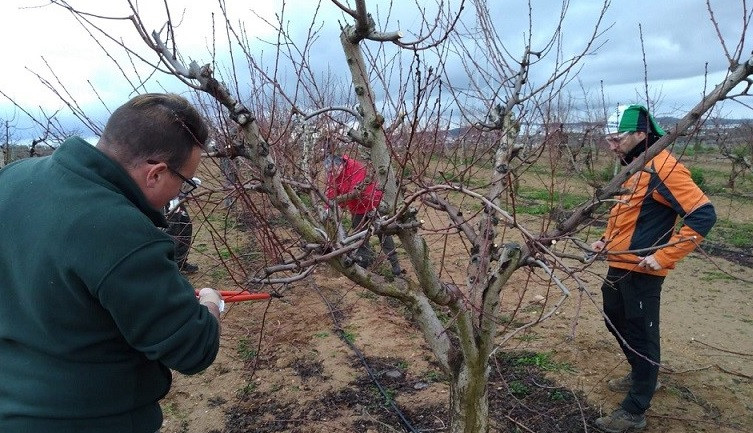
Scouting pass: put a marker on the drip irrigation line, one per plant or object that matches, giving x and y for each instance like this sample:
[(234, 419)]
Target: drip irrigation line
[(360, 356)]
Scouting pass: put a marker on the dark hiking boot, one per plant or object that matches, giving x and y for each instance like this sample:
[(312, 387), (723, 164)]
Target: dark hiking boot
[(621, 421), (623, 384), (189, 268)]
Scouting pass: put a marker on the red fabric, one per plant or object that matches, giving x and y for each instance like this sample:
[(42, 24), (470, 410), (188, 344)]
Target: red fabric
[(349, 178)]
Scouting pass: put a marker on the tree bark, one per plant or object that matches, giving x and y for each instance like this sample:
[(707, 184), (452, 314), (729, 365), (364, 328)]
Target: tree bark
[(469, 398)]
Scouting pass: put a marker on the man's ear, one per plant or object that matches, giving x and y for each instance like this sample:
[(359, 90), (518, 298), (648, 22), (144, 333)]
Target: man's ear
[(153, 172)]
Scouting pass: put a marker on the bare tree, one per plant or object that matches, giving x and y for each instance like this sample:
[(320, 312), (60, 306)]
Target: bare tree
[(8, 127), (398, 114), (736, 146)]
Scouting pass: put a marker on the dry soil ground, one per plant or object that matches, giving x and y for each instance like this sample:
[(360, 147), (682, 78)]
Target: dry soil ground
[(282, 366), (299, 364)]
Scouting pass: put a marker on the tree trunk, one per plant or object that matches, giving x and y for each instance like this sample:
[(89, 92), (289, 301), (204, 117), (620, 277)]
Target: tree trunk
[(469, 400)]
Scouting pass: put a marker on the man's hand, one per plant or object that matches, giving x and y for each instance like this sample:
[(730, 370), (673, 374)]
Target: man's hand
[(649, 262)]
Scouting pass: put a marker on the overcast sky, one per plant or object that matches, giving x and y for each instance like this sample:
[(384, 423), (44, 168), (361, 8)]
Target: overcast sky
[(680, 44)]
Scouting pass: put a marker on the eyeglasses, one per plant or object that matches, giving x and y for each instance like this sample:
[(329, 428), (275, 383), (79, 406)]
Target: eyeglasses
[(616, 138), (188, 185)]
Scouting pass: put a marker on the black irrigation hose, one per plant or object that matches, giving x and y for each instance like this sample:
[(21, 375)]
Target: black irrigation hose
[(358, 353)]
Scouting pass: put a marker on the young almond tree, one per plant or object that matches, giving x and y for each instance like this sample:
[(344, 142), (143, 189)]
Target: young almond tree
[(426, 138)]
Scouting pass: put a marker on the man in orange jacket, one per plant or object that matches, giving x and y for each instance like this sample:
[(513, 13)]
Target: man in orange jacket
[(642, 245), (346, 177)]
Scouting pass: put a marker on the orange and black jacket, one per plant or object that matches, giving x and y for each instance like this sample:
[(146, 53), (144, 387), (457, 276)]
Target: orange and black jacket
[(646, 216)]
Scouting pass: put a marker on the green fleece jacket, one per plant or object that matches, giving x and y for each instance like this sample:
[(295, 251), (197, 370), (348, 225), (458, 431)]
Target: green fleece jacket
[(93, 310)]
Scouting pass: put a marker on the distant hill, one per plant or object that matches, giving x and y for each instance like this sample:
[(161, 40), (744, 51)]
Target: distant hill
[(725, 122)]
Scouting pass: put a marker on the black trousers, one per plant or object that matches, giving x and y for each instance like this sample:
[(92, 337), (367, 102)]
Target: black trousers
[(388, 246), (631, 302), (180, 228)]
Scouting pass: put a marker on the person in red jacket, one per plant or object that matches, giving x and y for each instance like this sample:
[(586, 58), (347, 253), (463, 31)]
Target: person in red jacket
[(642, 243), (346, 184)]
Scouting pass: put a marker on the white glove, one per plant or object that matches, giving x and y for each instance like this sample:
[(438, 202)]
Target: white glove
[(210, 295), (598, 245), (649, 262)]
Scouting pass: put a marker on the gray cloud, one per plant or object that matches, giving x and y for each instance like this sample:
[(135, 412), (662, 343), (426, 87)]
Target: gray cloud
[(678, 37)]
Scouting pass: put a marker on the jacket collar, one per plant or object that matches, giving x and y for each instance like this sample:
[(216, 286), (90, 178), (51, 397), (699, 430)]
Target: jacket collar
[(88, 161)]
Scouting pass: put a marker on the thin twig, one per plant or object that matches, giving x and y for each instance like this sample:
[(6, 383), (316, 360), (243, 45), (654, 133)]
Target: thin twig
[(693, 340)]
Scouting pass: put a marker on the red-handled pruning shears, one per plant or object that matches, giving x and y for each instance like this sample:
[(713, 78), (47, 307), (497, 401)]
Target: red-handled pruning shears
[(243, 295)]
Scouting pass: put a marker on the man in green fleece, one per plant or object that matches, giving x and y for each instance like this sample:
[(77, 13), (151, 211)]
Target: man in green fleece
[(94, 311)]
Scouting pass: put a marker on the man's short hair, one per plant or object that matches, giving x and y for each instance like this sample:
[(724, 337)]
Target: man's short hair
[(159, 126), (333, 161)]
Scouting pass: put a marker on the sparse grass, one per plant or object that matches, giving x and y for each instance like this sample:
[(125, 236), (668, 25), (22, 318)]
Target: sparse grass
[(535, 209), (566, 200), (433, 376), (727, 232), (389, 396), (246, 390), (541, 201), (532, 309), (518, 388), (349, 336), (528, 337), (367, 294), (716, 276), (222, 221), (171, 409), (245, 351), (545, 362), (218, 274), (506, 319)]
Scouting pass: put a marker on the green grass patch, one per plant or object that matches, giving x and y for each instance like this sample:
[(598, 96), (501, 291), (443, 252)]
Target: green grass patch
[(433, 376), (541, 201), (727, 232), (566, 200), (245, 350), (543, 361), (518, 388), (246, 390), (535, 209), (218, 274), (349, 336), (716, 276)]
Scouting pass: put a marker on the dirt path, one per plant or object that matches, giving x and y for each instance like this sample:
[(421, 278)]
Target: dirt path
[(706, 337)]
